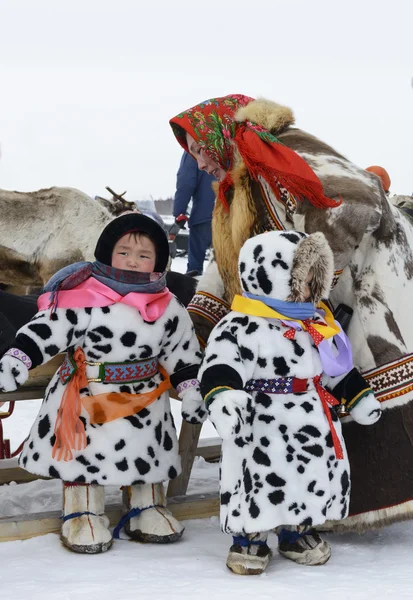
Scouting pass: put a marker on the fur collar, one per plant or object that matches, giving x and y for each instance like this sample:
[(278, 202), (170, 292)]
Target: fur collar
[(270, 115)]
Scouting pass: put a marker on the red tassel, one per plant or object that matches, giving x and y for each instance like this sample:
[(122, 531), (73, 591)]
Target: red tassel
[(224, 187), (328, 400)]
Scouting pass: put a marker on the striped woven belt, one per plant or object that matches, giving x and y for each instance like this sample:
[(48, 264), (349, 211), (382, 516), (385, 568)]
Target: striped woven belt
[(119, 372), (279, 385), (293, 385)]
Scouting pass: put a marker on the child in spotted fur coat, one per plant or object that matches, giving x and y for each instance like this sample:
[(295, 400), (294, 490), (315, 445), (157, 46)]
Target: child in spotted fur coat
[(284, 463), (106, 416)]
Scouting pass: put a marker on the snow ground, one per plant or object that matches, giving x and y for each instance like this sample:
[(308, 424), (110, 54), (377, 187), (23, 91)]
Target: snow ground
[(375, 566)]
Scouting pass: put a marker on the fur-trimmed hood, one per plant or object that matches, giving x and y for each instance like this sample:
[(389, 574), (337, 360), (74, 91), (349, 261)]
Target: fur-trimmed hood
[(276, 264)]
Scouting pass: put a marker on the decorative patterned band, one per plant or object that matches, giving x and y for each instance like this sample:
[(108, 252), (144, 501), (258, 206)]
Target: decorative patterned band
[(392, 379), (186, 385), (336, 277), (210, 307), (16, 353), (216, 390), (121, 372), (354, 401), (279, 385)]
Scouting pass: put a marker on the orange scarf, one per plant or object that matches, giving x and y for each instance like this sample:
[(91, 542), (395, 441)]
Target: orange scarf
[(102, 408)]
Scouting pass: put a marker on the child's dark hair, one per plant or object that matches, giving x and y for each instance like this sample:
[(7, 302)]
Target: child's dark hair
[(138, 234)]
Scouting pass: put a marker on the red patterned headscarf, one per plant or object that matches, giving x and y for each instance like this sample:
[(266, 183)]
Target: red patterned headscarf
[(212, 124)]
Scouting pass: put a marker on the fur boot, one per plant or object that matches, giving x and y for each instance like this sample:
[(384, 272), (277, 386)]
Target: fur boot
[(249, 555), (304, 547), (155, 523), (85, 528)]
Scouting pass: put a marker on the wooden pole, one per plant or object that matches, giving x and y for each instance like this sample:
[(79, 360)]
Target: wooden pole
[(188, 443)]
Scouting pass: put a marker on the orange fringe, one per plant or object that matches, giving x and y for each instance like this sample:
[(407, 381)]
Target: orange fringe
[(69, 429), (102, 408)]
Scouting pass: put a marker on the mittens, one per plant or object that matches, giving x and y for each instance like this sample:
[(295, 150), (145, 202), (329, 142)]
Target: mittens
[(13, 372), (367, 411), (228, 411), (193, 408)]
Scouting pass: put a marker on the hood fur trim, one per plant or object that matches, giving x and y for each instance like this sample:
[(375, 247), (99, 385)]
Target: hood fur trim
[(270, 115), (312, 253)]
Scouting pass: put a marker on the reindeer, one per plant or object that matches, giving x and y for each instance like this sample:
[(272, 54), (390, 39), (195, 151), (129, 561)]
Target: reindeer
[(118, 204), (43, 231)]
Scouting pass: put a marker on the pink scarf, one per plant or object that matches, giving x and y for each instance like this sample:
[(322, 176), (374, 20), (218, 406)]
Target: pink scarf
[(92, 293)]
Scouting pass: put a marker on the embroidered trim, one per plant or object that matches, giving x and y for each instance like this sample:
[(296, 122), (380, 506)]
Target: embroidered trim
[(16, 353), (208, 306), (186, 385), (354, 401), (288, 385), (216, 390), (336, 277), (288, 200), (67, 369), (273, 220), (279, 385), (127, 372), (393, 379)]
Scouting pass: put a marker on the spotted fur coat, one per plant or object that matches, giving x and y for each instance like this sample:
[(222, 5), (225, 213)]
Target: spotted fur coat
[(279, 464), (281, 468), (141, 448)]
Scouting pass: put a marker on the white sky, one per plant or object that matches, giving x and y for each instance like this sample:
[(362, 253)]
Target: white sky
[(87, 86)]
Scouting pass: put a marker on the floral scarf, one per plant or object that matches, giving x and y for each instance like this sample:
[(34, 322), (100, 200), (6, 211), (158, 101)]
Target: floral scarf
[(213, 125)]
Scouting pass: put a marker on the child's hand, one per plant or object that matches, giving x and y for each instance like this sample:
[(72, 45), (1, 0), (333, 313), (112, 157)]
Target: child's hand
[(367, 411), (228, 411), (193, 408), (13, 372)]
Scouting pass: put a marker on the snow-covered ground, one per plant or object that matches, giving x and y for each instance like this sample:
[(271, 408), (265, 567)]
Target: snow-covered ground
[(375, 566)]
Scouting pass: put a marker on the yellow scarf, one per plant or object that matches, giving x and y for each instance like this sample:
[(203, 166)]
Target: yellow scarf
[(256, 308)]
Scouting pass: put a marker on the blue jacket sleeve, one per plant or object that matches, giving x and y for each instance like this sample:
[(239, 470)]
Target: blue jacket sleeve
[(186, 182)]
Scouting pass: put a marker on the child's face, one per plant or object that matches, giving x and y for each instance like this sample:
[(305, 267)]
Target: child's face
[(134, 252), (307, 286)]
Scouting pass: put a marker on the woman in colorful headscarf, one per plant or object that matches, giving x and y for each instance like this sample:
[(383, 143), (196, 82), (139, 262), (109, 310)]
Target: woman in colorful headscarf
[(254, 170), (273, 176)]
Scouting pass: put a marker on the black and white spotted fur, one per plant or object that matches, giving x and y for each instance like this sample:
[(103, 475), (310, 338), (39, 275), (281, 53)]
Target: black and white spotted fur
[(279, 466), (138, 449)]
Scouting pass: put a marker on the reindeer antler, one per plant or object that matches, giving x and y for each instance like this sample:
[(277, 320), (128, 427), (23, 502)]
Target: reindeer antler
[(115, 195)]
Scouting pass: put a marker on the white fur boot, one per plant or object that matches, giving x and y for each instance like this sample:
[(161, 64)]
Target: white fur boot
[(155, 523), (87, 533), (249, 554)]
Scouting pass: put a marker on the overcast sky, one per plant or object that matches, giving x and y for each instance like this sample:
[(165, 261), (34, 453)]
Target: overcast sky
[(87, 86)]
